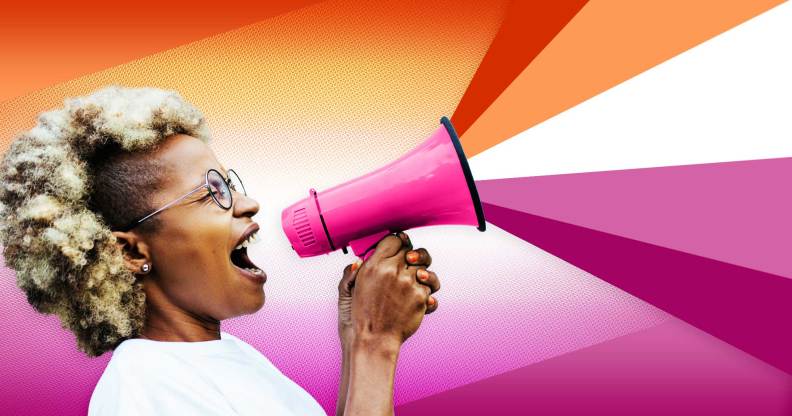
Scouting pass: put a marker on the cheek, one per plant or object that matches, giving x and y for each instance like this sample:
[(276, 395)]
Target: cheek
[(196, 267)]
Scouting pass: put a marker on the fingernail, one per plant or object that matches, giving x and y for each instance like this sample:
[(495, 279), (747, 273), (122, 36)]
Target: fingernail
[(431, 301), (412, 256), (355, 265), (423, 274)]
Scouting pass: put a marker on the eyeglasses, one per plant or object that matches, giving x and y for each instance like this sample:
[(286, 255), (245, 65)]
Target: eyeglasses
[(218, 187)]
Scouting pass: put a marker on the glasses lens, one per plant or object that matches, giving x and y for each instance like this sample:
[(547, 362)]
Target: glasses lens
[(236, 183), (219, 189)]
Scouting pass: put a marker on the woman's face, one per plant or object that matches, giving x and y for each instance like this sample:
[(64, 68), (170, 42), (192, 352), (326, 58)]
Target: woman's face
[(190, 254)]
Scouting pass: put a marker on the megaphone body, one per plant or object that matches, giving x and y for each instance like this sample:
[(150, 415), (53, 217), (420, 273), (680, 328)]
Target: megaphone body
[(430, 185)]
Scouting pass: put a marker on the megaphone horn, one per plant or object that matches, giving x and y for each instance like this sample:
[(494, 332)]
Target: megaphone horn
[(430, 185)]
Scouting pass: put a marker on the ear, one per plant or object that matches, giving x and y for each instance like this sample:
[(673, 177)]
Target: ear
[(136, 251)]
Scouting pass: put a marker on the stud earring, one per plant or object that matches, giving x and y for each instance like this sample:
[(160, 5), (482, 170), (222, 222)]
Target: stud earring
[(146, 267)]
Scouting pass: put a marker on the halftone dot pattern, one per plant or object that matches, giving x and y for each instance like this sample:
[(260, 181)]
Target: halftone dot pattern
[(310, 99), (523, 306), (43, 373), (98, 35)]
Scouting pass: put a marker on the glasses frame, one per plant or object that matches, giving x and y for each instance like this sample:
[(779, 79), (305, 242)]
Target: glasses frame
[(205, 185)]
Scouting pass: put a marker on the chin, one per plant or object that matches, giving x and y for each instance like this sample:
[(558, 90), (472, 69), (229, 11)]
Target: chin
[(254, 305)]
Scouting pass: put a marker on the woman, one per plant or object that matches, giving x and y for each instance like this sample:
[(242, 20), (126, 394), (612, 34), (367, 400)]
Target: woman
[(119, 218)]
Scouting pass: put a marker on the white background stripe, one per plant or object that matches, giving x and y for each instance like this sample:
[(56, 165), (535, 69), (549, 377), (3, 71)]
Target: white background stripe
[(728, 99)]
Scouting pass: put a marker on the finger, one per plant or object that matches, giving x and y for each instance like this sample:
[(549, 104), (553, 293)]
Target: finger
[(405, 239), (425, 293), (419, 257), (431, 305), (425, 277), (388, 246), (348, 279)]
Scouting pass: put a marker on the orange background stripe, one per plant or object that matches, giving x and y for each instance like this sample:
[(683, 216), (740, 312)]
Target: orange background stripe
[(43, 44), (528, 27), (605, 44)]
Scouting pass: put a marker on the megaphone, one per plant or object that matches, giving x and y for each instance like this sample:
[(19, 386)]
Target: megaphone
[(430, 185)]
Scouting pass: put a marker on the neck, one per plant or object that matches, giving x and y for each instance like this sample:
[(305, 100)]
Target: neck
[(168, 322)]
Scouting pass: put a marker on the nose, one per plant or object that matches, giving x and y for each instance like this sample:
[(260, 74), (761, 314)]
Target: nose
[(245, 205)]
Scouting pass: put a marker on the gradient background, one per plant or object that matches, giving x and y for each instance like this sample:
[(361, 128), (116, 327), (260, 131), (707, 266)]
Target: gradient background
[(632, 158)]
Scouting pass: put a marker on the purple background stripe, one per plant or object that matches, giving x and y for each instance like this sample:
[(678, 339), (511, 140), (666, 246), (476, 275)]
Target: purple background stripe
[(747, 308)]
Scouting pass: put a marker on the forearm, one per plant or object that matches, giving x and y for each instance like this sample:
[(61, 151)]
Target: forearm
[(343, 386), (372, 368)]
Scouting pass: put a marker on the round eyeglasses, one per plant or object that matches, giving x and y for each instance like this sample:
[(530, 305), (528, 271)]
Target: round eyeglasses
[(218, 187)]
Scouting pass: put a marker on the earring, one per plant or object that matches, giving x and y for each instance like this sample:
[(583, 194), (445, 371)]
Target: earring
[(146, 267)]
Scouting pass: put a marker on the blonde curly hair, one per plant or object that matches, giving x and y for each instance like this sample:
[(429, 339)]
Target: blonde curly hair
[(79, 173)]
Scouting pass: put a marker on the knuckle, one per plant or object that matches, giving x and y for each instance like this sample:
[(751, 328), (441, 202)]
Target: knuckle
[(390, 273), (421, 293), (405, 279), (388, 239)]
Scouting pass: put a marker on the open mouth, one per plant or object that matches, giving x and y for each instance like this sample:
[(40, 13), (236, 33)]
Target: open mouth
[(239, 256)]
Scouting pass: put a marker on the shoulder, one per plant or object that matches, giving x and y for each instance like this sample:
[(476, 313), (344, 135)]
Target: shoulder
[(251, 352), (117, 389), (142, 379), (242, 345)]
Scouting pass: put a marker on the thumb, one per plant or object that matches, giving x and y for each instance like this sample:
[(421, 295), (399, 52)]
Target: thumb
[(348, 279)]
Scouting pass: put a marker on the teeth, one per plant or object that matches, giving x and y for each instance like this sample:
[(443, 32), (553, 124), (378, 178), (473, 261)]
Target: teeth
[(254, 270), (252, 239)]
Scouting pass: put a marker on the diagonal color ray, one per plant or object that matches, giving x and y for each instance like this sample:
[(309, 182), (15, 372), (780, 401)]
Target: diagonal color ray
[(723, 100), (59, 42), (736, 212), (606, 43), (671, 368), (527, 28), (745, 307)]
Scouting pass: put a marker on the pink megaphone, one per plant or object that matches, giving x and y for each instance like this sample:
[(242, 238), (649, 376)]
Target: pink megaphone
[(430, 185)]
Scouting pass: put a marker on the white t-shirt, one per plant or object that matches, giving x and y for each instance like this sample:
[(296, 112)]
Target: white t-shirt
[(220, 377)]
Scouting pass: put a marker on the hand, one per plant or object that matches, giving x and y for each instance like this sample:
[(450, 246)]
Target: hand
[(367, 375), (391, 292), (418, 259)]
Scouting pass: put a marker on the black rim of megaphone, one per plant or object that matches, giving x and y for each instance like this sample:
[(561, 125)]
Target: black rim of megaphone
[(468, 175)]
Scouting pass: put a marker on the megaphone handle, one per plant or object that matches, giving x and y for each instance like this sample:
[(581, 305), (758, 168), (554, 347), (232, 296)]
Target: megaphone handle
[(364, 247)]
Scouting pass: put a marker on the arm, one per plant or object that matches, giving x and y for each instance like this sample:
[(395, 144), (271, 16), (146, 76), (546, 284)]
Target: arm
[(343, 387), (346, 332), (371, 374), (376, 315)]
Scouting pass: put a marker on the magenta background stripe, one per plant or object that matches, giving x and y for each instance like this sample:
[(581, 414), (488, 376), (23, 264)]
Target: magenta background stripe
[(736, 212), (669, 369)]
